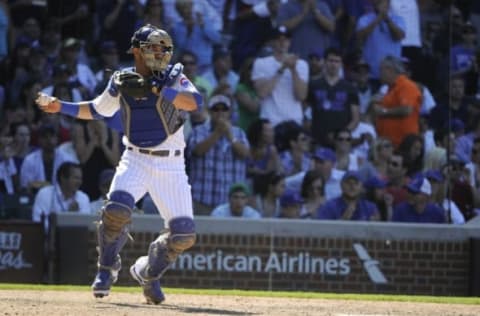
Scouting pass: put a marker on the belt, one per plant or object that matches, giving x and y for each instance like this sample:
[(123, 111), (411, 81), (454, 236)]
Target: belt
[(158, 153)]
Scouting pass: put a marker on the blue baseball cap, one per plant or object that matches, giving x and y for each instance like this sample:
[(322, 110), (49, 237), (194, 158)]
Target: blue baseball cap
[(375, 183), (419, 184), (352, 175), (290, 198), (324, 153), (435, 175)]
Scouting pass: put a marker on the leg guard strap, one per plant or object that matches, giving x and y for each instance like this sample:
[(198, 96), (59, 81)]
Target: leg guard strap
[(166, 248)]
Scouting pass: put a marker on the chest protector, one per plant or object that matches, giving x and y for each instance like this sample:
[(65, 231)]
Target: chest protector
[(149, 120)]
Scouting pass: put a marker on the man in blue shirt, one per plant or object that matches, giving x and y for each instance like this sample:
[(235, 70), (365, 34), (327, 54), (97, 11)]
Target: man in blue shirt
[(418, 208), (350, 205)]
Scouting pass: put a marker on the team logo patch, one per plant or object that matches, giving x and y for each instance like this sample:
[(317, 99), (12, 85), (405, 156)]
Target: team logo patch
[(184, 82)]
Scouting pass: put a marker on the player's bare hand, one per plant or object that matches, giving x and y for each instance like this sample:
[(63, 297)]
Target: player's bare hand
[(47, 103)]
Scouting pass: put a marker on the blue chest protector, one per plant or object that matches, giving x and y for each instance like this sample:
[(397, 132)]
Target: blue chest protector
[(148, 121)]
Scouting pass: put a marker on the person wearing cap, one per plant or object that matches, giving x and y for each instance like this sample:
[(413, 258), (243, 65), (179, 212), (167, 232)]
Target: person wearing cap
[(465, 143), (311, 23), (333, 101), (281, 81), (150, 100), (81, 75), (191, 32), (418, 208), (375, 192), (439, 196), (291, 204), (324, 160), (217, 154), (237, 204), (109, 62), (350, 205)]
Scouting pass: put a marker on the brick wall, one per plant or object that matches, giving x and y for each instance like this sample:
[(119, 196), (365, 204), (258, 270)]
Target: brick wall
[(427, 267)]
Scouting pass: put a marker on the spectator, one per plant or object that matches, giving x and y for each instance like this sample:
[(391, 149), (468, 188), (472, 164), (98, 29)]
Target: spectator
[(365, 87), (333, 101), (21, 143), (379, 34), (454, 105), (218, 155), (412, 150), (290, 205), (81, 75), (474, 165), (264, 157), (267, 192), (462, 193), (153, 14), (108, 63), (296, 158), (436, 157), (103, 184), (190, 64), (324, 161), (397, 178), (221, 76), (349, 205), (312, 193), (281, 81), (252, 27), (237, 204), (398, 112), (377, 165), (376, 193), (40, 167), (346, 159), (439, 196), (8, 171), (409, 11), (418, 209), (305, 20), (63, 196), (246, 96), (194, 34), (464, 143), (61, 75), (97, 148)]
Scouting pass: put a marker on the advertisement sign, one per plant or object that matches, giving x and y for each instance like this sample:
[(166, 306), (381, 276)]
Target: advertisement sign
[(21, 252)]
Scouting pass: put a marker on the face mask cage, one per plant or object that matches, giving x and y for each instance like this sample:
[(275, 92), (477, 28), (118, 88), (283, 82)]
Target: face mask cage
[(157, 51)]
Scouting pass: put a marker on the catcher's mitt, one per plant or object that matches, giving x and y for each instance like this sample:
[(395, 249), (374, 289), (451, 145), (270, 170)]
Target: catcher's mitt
[(131, 83)]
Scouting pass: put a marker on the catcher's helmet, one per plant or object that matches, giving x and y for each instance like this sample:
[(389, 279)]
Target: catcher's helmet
[(153, 41)]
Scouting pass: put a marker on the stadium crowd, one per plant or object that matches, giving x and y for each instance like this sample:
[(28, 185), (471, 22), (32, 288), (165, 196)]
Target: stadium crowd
[(314, 109)]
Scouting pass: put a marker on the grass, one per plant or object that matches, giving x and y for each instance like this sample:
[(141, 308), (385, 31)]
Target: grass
[(301, 295)]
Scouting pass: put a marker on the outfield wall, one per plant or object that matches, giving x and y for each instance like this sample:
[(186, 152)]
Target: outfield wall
[(267, 254), (275, 254)]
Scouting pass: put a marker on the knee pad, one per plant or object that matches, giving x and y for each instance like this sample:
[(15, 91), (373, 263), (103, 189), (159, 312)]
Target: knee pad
[(117, 213), (182, 234)]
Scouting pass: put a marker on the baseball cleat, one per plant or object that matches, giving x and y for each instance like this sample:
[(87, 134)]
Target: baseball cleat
[(103, 281), (151, 288)]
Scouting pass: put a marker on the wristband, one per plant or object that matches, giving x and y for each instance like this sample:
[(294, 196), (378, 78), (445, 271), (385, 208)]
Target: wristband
[(69, 108)]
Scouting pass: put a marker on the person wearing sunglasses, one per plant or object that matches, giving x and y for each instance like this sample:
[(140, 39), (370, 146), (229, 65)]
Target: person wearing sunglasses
[(217, 153)]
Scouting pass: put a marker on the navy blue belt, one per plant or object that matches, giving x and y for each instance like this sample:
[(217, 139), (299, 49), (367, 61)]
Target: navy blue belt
[(158, 153)]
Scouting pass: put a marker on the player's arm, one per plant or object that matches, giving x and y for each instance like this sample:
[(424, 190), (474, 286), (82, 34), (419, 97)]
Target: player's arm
[(81, 110), (180, 91)]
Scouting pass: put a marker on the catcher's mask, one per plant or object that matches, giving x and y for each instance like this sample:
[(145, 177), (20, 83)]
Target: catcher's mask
[(155, 45)]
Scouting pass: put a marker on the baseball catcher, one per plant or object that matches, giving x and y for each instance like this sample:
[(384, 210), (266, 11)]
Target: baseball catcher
[(149, 102)]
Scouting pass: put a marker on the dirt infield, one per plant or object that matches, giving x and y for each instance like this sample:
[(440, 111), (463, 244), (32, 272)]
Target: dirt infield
[(56, 303)]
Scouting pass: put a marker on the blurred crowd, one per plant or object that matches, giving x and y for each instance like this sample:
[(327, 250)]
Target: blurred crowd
[(314, 109)]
